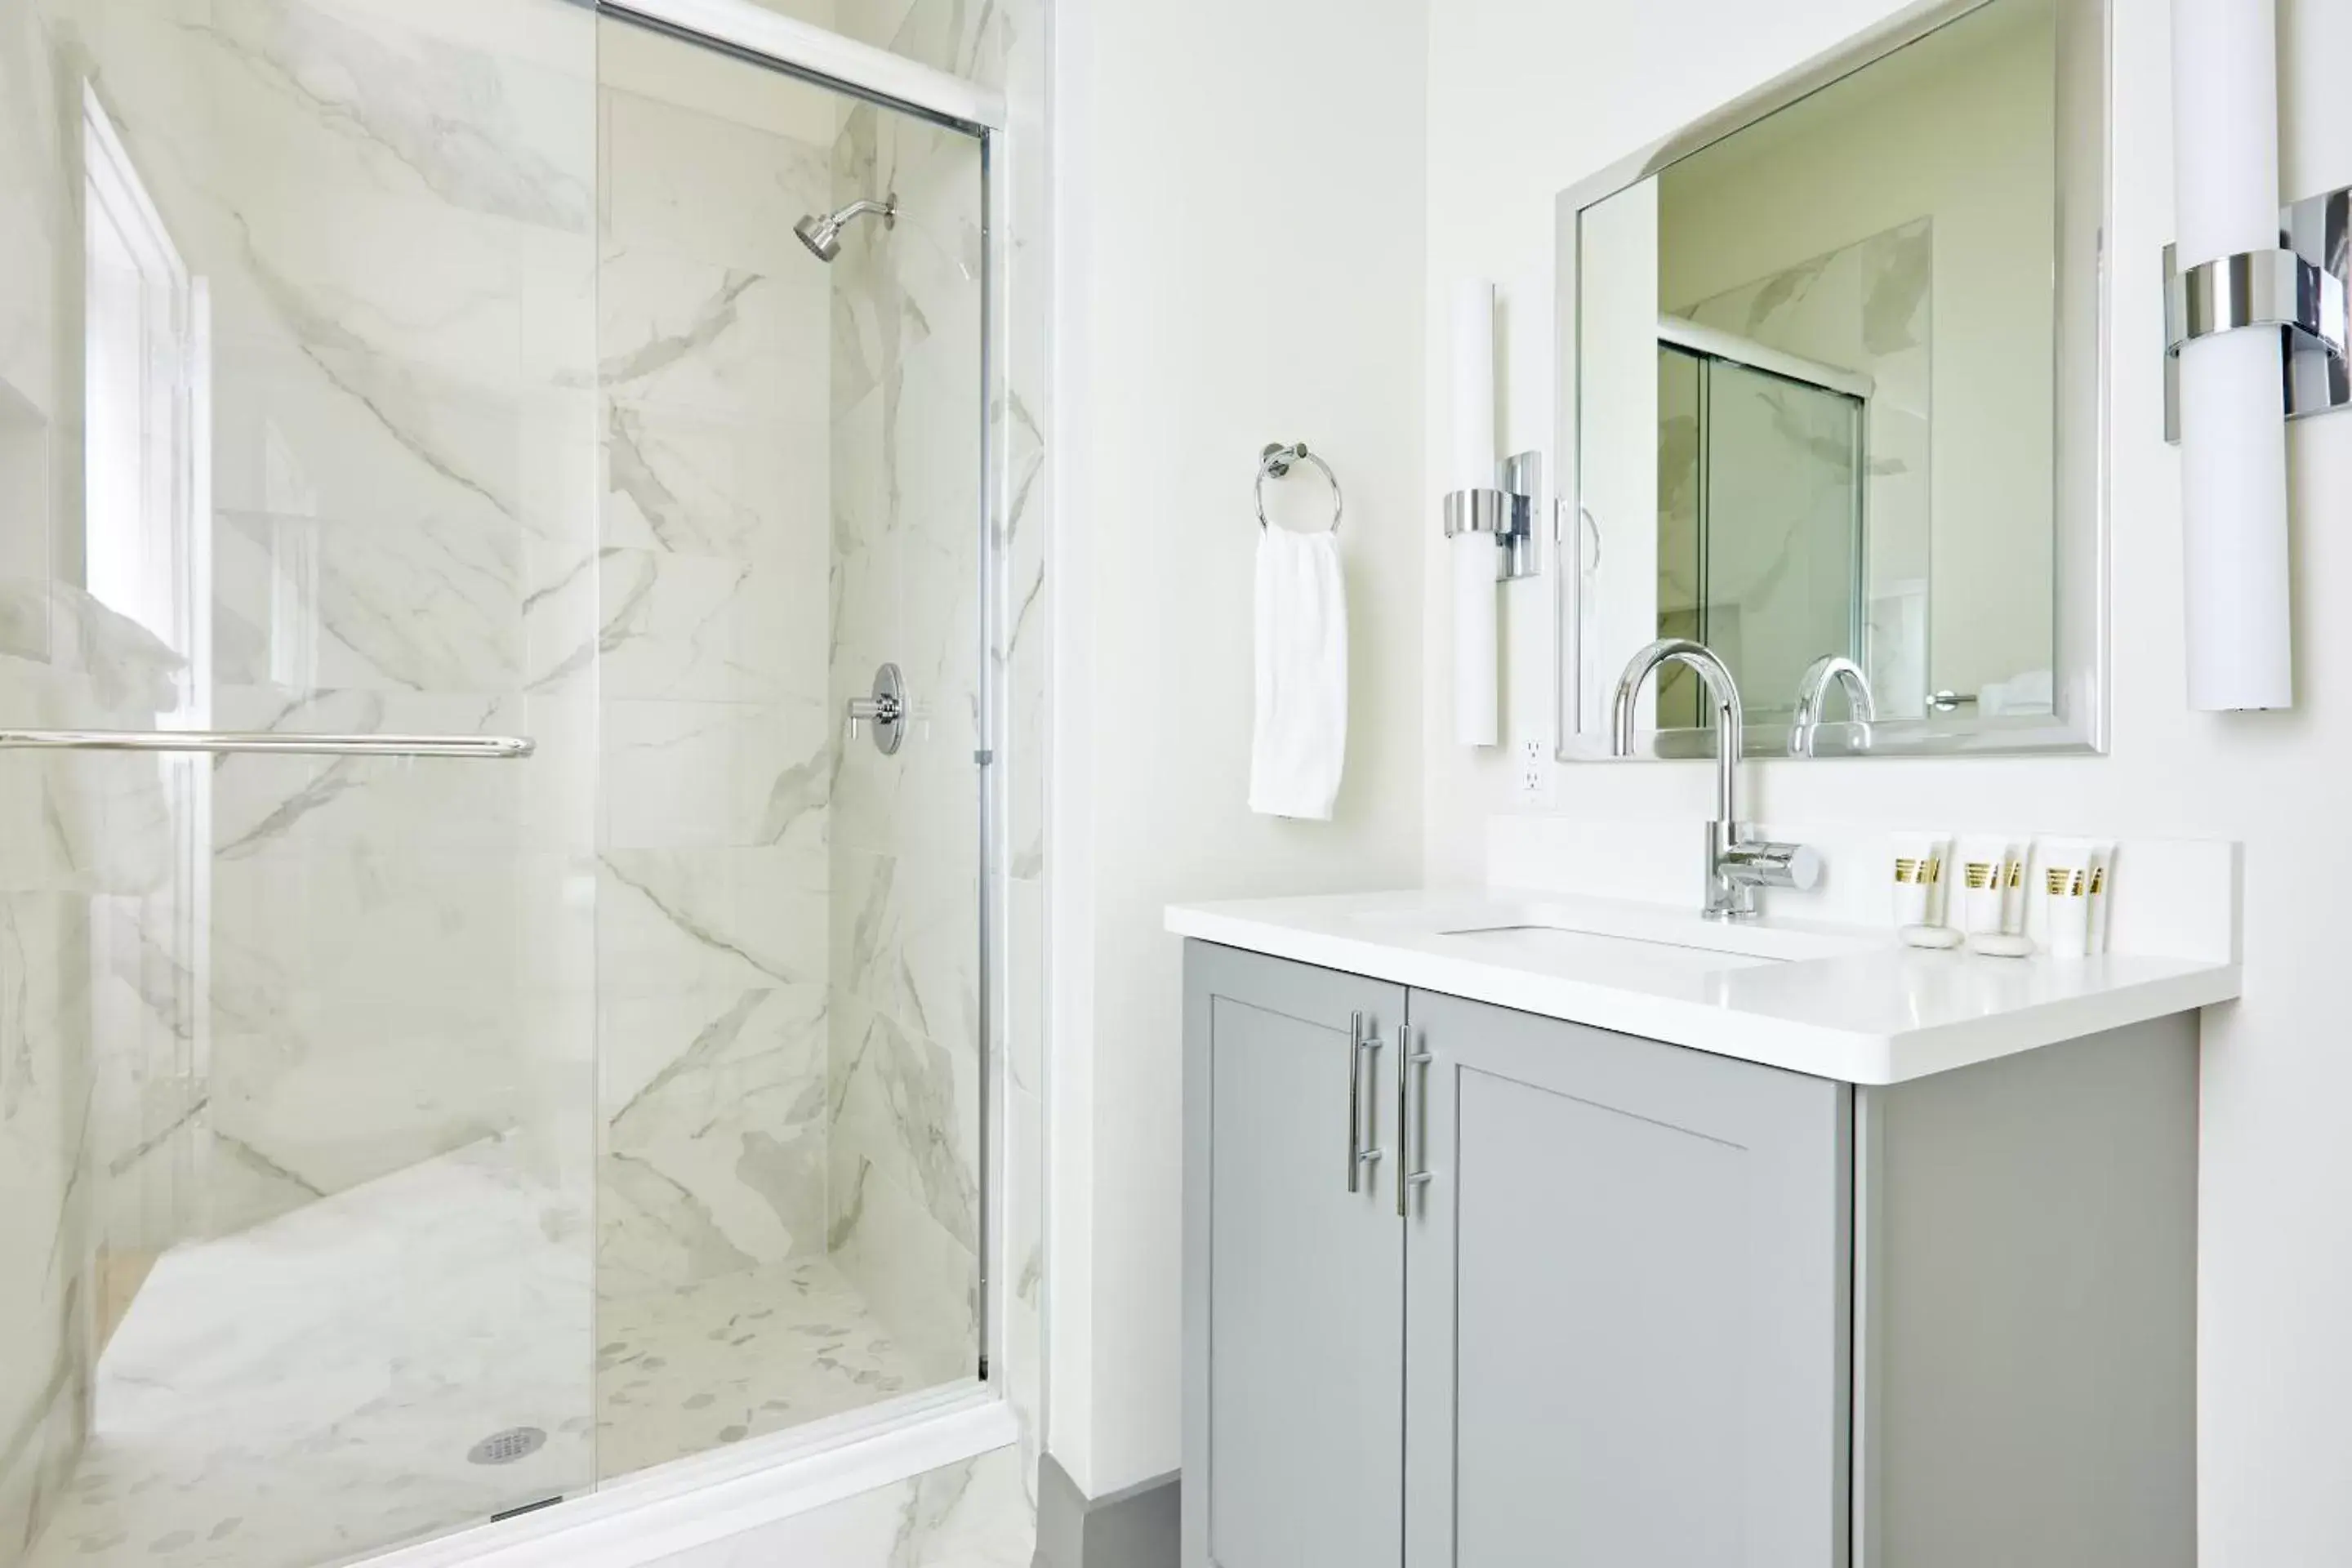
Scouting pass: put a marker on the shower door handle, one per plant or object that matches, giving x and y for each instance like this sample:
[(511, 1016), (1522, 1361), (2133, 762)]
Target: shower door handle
[(488, 748)]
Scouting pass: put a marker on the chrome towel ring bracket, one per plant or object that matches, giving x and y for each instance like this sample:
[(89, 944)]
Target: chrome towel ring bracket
[(1276, 460)]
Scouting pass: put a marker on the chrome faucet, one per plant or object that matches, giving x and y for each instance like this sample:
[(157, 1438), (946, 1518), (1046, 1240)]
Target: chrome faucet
[(1736, 865), (1812, 690)]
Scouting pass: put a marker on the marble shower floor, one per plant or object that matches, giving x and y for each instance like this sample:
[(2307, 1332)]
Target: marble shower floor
[(308, 1391)]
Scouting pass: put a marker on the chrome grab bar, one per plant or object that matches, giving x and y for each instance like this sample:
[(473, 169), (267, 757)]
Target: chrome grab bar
[(488, 747)]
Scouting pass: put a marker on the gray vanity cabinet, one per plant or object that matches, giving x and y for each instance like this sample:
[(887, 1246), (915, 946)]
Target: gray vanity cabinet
[(1595, 1301), (1294, 1412), (1602, 1325), (1625, 1288)]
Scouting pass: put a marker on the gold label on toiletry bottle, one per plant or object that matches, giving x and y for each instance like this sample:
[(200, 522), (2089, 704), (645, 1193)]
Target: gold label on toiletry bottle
[(1906, 869), (1980, 875), (2055, 878), (2098, 879), (1934, 870), (2017, 873)]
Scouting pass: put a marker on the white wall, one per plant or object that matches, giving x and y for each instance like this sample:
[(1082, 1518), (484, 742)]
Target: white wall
[(1563, 87), (1240, 195)]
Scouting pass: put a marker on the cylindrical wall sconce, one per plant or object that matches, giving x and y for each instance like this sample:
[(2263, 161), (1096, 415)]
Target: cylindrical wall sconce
[(2231, 398), (1489, 518), (1477, 653)]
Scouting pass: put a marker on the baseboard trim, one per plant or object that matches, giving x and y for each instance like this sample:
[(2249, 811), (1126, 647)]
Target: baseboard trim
[(1134, 1527)]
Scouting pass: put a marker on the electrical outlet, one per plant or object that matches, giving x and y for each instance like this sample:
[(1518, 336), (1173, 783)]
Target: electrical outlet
[(1531, 782)]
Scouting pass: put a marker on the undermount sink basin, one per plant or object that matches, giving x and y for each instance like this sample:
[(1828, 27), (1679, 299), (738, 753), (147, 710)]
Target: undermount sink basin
[(1560, 944), (1541, 929)]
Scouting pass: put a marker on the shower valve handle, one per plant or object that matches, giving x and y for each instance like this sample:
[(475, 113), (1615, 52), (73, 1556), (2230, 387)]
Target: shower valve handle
[(883, 709), (886, 707)]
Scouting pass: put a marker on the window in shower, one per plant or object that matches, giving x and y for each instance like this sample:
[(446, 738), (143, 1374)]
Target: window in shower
[(391, 1143)]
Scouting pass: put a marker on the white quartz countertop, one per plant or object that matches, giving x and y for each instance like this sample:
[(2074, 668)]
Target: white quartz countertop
[(1838, 1002)]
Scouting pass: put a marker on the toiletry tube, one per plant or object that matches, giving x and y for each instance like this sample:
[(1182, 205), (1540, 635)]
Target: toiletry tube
[(2016, 863), (1472, 467), (1984, 867), (2065, 884), (1992, 895), (1918, 864), (1476, 651), (2103, 871)]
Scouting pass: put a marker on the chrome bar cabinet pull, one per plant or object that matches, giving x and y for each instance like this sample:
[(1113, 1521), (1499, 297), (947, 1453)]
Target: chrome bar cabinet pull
[(1358, 1047), (1413, 1134)]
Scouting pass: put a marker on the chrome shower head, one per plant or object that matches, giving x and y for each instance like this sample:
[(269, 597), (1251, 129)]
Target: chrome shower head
[(822, 235)]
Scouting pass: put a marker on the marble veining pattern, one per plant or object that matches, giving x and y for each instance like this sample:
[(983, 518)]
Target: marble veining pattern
[(394, 206), (906, 1070), (268, 1404)]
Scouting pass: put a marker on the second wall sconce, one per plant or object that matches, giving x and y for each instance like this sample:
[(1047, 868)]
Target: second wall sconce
[(1490, 508), (2254, 328)]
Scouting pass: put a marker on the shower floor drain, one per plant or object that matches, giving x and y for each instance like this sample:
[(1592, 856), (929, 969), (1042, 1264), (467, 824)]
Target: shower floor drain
[(505, 1447)]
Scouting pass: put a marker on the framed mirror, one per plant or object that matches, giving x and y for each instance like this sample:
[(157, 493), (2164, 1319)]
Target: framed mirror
[(1831, 388)]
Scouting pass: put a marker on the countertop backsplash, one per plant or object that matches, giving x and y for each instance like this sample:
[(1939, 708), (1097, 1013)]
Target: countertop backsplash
[(2174, 898)]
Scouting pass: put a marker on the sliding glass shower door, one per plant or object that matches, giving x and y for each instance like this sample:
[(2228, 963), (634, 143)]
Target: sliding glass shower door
[(476, 1020), (299, 451), (1759, 527), (789, 334)]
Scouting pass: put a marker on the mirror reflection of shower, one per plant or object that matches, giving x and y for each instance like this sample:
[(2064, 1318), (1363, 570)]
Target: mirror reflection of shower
[(822, 234)]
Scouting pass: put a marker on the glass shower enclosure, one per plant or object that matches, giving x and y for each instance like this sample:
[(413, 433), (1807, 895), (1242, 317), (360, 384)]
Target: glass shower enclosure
[(1760, 526), (494, 573)]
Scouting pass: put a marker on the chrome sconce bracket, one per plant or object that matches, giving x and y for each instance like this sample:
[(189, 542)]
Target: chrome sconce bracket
[(1507, 512), (2300, 289)]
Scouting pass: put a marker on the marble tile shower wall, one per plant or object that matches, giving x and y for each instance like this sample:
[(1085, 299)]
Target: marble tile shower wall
[(905, 1064), (97, 1132), (981, 1513), (717, 735), (394, 204), (43, 927)]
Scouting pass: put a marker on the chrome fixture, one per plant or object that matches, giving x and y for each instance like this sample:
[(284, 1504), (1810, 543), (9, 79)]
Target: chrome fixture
[(1413, 1122), (1506, 512), (486, 748), (1361, 1043), (1736, 865), (1275, 461), (1952, 701), (822, 235), (1812, 689), (886, 709), (2300, 290)]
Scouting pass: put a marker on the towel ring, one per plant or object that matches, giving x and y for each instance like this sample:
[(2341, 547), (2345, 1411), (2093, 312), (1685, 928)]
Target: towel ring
[(1276, 460)]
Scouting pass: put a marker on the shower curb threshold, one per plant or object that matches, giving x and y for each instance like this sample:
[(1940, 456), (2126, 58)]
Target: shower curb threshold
[(696, 1502)]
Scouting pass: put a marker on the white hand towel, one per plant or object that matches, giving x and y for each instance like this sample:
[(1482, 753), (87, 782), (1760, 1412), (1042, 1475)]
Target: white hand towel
[(1300, 740)]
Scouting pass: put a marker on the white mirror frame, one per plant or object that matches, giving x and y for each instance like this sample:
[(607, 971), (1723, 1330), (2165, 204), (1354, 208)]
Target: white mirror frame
[(2080, 627)]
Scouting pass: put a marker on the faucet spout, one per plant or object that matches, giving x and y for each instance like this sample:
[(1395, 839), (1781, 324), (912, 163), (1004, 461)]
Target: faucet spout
[(1736, 865), (1812, 690), (1722, 691)]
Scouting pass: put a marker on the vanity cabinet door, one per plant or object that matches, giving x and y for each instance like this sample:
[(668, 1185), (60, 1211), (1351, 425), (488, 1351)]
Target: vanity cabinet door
[(1294, 1285), (1627, 1302)]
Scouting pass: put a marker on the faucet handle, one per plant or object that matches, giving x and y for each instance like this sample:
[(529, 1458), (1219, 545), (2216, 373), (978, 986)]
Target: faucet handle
[(1760, 863)]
